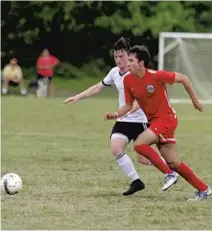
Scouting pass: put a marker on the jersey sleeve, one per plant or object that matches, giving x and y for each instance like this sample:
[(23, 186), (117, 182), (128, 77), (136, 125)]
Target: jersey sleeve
[(55, 61), (108, 80), (166, 77), (129, 99)]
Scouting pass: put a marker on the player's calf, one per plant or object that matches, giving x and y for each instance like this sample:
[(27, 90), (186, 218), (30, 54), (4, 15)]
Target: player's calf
[(142, 160)]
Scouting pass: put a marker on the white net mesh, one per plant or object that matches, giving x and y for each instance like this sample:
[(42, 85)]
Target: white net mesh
[(192, 57)]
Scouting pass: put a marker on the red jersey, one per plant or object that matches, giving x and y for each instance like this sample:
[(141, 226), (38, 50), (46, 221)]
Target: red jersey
[(45, 65), (150, 92)]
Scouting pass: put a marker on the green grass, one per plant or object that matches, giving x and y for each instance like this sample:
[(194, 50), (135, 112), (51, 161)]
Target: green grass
[(71, 181), (68, 87), (73, 86)]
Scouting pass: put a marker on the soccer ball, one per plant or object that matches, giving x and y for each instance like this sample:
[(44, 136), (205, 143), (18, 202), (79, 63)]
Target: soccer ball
[(11, 183)]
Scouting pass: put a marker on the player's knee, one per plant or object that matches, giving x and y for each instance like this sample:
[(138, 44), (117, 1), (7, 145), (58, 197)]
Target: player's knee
[(137, 143), (116, 150), (173, 164)]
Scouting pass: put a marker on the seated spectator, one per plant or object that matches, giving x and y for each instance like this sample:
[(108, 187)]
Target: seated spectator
[(45, 66), (12, 76)]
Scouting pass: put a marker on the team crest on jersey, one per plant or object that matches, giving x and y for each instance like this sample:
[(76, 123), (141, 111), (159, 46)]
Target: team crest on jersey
[(150, 88)]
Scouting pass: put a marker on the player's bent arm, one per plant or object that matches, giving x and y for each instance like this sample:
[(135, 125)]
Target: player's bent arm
[(180, 78), (93, 90), (135, 107), (124, 109)]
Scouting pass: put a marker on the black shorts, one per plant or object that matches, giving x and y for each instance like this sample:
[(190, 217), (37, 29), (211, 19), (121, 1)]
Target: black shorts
[(13, 84), (129, 129)]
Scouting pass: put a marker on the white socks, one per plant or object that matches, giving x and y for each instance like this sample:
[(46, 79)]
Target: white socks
[(24, 91), (127, 166), (4, 90)]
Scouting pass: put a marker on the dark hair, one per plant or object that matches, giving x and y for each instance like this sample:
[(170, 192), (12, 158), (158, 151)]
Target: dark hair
[(142, 54), (122, 44)]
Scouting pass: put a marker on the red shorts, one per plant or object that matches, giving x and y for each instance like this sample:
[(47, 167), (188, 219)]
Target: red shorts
[(165, 127)]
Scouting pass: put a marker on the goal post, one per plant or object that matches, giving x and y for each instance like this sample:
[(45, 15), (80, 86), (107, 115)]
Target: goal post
[(190, 54)]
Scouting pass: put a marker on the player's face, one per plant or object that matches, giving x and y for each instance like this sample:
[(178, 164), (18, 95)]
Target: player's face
[(121, 58), (134, 65)]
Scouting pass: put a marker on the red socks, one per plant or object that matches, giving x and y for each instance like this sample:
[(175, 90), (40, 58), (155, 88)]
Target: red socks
[(154, 157), (182, 169), (189, 176)]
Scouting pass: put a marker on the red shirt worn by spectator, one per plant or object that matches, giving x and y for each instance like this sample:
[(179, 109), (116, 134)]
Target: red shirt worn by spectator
[(46, 63)]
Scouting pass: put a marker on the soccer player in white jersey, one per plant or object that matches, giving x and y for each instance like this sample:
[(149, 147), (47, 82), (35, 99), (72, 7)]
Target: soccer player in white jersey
[(129, 126)]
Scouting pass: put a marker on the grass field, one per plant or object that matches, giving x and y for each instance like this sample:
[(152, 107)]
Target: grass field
[(71, 180)]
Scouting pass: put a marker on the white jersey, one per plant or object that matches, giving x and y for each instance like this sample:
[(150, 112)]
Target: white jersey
[(115, 78)]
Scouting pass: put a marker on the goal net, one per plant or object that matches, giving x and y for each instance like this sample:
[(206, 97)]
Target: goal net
[(190, 54)]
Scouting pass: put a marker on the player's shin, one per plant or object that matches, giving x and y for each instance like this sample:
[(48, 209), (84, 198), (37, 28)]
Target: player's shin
[(153, 156), (127, 166), (189, 176)]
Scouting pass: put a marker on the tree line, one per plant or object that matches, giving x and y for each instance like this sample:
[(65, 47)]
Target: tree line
[(82, 31)]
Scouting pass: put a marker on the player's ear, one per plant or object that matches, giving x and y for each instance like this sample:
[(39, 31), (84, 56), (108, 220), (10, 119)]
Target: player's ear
[(141, 63)]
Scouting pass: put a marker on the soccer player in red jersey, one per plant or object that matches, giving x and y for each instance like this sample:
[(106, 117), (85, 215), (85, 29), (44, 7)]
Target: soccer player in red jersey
[(148, 88)]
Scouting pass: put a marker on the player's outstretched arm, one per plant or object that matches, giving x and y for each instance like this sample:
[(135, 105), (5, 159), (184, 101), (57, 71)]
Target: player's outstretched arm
[(121, 112), (93, 90), (180, 78)]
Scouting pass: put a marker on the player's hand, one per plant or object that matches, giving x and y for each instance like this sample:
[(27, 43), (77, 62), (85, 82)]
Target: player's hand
[(71, 100), (198, 105), (110, 115)]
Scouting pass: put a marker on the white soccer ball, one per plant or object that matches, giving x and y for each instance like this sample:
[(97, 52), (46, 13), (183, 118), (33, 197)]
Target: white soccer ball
[(11, 183)]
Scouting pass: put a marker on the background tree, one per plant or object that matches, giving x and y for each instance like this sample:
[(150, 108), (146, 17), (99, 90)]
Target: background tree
[(78, 32)]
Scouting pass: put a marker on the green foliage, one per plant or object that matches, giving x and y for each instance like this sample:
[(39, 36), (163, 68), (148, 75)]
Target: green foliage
[(118, 16), (29, 73), (92, 69), (140, 17), (37, 22)]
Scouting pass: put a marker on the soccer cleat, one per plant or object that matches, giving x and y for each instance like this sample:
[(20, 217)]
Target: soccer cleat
[(135, 186), (169, 180), (201, 195)]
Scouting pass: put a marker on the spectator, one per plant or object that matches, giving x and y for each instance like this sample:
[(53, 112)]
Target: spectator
[(45, 65), (13, 76)]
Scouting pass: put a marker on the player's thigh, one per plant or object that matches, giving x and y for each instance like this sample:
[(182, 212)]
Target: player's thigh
[(118, 143), (170, 154), (146, 137)]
